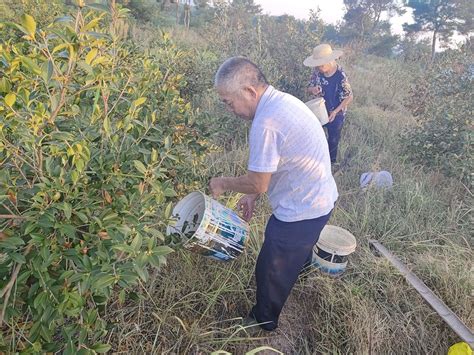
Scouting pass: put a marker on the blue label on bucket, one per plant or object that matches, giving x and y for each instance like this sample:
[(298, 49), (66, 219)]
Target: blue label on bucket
[(332, 271), (220, 256)]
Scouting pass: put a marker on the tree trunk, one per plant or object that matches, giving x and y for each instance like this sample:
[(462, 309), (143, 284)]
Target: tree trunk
[(433, 44), (187, 14), (164, 4), (177, 12)]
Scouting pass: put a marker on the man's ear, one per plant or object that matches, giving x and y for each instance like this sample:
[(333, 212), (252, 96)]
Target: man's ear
[(250, 90)]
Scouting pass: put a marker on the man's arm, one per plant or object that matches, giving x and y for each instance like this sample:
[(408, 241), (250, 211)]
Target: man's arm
[(250, 183), (342, 107)]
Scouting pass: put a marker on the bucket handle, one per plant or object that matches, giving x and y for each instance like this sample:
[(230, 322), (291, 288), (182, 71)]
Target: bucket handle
[(181, 234)]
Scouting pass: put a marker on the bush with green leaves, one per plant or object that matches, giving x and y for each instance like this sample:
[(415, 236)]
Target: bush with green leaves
[(95, 142), (278, 45), (443, 103), (43, 11)]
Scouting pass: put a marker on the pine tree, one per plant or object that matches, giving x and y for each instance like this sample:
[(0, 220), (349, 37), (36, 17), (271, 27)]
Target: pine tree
[(440, 17)]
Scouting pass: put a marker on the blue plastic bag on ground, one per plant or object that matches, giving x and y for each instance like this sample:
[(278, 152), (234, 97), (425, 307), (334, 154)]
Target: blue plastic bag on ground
[(381, 179)]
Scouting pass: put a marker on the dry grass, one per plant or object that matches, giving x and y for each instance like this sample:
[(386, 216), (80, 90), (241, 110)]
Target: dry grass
[(193, 305)]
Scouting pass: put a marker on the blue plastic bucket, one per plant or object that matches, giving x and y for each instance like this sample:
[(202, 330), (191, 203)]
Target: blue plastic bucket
[(210, 229)]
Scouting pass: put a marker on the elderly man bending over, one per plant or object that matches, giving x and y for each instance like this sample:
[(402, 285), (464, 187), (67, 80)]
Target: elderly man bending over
[(289, 159)]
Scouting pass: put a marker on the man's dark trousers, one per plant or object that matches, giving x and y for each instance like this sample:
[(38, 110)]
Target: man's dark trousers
[(286, 248)]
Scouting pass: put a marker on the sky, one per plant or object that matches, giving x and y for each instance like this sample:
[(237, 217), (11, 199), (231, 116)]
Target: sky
[(332, 11)]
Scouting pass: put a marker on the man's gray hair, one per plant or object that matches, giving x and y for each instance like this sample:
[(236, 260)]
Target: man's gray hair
[(236, 73)]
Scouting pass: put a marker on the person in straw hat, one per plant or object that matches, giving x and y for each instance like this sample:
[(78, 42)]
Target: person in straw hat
[(329, 81), (289, 159)]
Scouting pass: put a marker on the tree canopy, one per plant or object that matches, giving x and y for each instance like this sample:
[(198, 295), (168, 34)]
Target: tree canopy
[(441, 18)]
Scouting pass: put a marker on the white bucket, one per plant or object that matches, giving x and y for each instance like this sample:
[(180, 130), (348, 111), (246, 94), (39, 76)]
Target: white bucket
[(210, 228), (332, 249), (318, 107)]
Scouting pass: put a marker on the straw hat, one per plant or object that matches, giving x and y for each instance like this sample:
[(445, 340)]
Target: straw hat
[(322, 54)]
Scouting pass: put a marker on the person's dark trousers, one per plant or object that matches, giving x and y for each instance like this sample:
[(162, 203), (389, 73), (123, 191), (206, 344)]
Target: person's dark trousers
[(334, 135), (284, 252)]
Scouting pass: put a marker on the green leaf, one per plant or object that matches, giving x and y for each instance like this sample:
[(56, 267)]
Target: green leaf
[(92, 316), (98, 7), (11, 243), (139, 166), (155, 261), (121, 296), (29, 24), (93, 23), (59, 47), (124, 229), (68, 230), (31, 65), (168, 142), (37, 238), (97, 35), (141, 271), (5, 85), (139, 101), (156, 233), (104, 281), (106, 125), (137, 242), (19, 258), (129, 277), (82, 216), (169, 192), (50, 71), (67, 208), (123, 247), (66, 274), (86, 261), (30, 226), (91, 55), (10, 99), (162, 250), (101, 348), (113, 215), (74, 176), (63, 19), (66, 136), (168, 210)]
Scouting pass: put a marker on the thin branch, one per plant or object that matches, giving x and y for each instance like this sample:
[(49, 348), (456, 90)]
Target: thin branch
[(121, 94), (11, 216), (8, 288), (8, 209)]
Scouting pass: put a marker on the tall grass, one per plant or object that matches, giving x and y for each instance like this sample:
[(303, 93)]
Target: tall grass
[(193, 305)]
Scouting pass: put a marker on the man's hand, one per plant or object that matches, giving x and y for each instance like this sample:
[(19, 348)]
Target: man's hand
[(246, 205), (217, 186), (314, 90), (250, 183), (332, 116)]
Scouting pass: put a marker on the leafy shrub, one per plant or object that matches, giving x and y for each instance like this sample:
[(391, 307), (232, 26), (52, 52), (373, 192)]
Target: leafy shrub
[(285, 52), (43, 11), (95, 141), (443, 102), (392, 89), (278, 45)]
